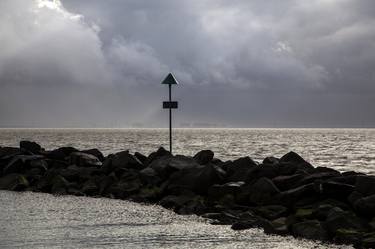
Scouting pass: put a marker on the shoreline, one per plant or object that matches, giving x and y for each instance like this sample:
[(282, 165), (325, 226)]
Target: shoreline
[(284, 196)]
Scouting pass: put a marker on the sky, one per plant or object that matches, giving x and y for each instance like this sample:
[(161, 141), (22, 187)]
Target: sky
[(240, 63)]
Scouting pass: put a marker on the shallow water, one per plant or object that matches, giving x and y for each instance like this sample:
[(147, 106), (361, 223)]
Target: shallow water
[(342, 149), (35, 220)]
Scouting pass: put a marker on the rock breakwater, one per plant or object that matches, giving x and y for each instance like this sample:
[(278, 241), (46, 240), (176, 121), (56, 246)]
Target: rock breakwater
[(284, 196)]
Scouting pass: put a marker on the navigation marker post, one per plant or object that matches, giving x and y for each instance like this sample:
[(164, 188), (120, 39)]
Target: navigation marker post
[(170, 80)]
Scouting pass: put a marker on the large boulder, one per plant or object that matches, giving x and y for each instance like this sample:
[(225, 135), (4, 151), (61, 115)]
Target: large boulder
[(13, 182), (286, 182), (366, 206), (239, 169), (217, 191), (95, 152), (204, 156), (292, 196), (271, 212), (365, 185), (161, 152), (7, 152), (20, 163), (84, 160), (293, 158), (32, 147), (312, 229), (167, 165), (60, 154), (336, 190), (263, 192), (339, 219), (126, 160), (263, 170), (197, 179)]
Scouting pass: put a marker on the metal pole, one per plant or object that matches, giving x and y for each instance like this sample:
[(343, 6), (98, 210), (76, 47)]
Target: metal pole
[(170, 120)]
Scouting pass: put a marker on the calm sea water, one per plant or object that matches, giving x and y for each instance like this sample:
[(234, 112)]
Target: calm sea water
[(34, 220)]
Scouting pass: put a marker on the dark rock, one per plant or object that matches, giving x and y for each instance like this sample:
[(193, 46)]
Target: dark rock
[(290, 197), (368, 241), (239, 169), (141, 157), (167, 165), (124, 188), (84, 160), (271, 160), (327, 170), (353, 197), (13, 182), (348, 236), (310, 230), (197, 179), (161, 152), (348, 179), (271, 212), (20, 163), (336, 190), (366, 206), (149, 176), (173, 201), (263, 192), (60, 153), (6, 152), (365, 185), (90, 188), (124, 160), (263, 170), (59, 185), (31, 147), (339, 219), (77, 174), (149, 193), (286, 182), (278, 226), (316, 177), (216, 192), (203, 157), (95, 152), (295, 159)]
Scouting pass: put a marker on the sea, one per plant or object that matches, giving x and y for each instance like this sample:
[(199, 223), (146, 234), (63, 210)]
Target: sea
[(37, 220)]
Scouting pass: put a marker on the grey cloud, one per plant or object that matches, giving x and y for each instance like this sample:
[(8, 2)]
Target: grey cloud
[(278, 63)]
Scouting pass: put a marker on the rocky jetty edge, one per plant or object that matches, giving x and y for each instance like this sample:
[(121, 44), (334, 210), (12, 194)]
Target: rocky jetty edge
[(284, 196)]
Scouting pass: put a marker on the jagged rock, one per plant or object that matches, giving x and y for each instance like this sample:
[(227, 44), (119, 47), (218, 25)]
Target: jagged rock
[(366, 206), (368, 241), (13, 182), (75, 174), (365, 185), (216, 192), (60, 153), (95, 152), (320, 176), (124, 188), (271, 160), (90, 188), (161, 152), (31, 147), (348, 236), (239, 169), (339, 219), (141, 157), (6, 152), (204, 156), (120, 161), (176, 202), (336, 190), (263, 192), (84, 160), (167, 165), (149, 176), (197, 179), (286, 182), (263, 170), (271, 212), (59, 185), (290, 197), (295, 159), (20, 163), (310, 230)]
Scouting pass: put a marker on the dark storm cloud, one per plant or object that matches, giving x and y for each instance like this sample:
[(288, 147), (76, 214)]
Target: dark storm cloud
[(98, 63)]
